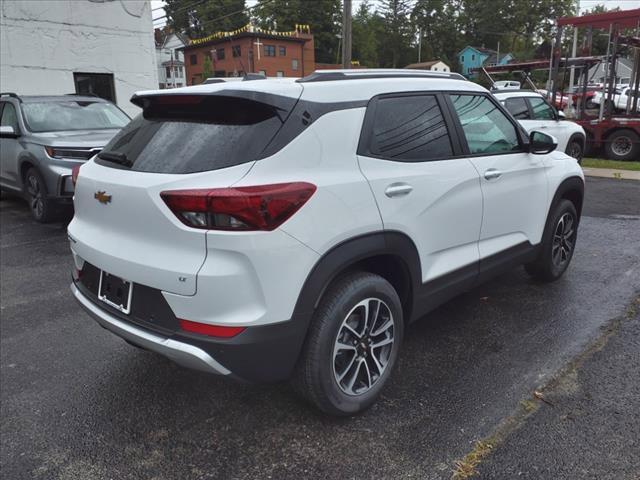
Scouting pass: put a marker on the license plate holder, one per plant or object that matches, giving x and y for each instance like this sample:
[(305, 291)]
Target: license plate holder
[(115, 291)]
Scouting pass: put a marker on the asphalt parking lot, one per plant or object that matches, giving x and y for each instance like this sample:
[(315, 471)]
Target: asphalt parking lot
[(79, 403)]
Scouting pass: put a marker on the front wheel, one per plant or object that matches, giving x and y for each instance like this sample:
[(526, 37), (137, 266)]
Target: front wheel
[(42, 208), (558, 243), (352, 345), (575, 149)]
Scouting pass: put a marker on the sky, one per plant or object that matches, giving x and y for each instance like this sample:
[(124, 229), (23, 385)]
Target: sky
[(157, 11)]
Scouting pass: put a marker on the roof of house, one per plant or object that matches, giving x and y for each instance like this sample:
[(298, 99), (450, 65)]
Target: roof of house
[(161, 35), (424, 65)]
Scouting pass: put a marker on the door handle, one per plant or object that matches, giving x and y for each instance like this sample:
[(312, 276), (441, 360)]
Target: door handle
[(492, 174), (398, 190)]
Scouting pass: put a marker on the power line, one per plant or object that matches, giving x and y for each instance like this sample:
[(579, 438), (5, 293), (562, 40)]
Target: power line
[(247, 10), (184, 7)]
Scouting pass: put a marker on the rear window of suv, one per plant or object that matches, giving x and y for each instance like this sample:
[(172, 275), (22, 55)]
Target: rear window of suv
[(188, 134)]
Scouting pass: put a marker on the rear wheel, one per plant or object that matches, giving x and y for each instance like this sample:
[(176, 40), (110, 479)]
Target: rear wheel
[(42, 208), (352, 345), (558, 243), (623, 145)]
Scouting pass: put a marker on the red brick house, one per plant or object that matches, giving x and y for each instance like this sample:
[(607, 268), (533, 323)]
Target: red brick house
[(251, 50)]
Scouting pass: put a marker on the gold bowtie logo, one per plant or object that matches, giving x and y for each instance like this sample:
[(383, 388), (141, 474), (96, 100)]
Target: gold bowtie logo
[(102, 197)]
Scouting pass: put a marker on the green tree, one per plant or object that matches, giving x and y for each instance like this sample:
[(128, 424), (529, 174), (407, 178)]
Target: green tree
[(367, 34), (207, 68), (198, 19), (397, 33), (323, 16), (438, 21)]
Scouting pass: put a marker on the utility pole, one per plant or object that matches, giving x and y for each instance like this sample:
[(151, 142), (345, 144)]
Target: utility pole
[(346, 34), (420, 45)]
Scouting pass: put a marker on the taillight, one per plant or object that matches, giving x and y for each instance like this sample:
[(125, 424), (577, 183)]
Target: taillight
[(210, 330), (263, 207), (75, 171)]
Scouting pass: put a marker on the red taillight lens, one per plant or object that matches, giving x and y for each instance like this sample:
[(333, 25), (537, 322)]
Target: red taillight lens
[(263, 207), (74, 174), (210, 330)]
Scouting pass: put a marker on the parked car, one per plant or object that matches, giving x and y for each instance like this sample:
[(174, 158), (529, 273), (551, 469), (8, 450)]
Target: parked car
[(43, 137), (292, 229), (533, 112), (505, 85), (620, 98)]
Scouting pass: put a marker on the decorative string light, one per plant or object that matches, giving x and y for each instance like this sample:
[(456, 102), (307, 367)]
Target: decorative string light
[(299, 28)]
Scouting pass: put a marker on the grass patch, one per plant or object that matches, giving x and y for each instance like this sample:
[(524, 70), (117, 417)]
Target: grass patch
[(617, 164), (466, 468)]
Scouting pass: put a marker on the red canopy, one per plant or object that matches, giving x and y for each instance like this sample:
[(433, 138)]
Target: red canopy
[(624, 19)]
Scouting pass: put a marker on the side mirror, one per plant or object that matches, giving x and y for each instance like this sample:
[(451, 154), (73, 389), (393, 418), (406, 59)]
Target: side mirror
[(561, 115), (541, 143), (7, 131)]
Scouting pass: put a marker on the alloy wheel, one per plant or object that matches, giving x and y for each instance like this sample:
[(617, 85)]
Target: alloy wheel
[(363, 346), (36, 201), (563, 240)]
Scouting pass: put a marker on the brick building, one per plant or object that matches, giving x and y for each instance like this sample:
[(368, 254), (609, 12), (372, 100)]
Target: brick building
[(251, 50)]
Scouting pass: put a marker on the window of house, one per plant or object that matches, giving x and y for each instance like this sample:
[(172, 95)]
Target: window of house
[(100, 84), (279, 73), (462, 58), (517, 107), (409, 128), (236, 51), (283, 51), (220, 53), (541, 109), (294, 64), (263, 72), (168, 71), (193, 59), (269, 50), (486, 128), (473, 57)]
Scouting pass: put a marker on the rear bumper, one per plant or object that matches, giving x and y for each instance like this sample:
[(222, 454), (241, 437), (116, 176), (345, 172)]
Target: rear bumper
[(266, 353), (182, 353)]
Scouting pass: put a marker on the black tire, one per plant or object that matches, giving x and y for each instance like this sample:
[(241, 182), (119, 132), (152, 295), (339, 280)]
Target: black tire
[(42, 208), (322, 361), (575, 148), (623, 145), (558, 243)]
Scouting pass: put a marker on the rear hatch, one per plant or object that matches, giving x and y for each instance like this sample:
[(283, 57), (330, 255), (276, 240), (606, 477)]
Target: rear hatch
[(181, 141)]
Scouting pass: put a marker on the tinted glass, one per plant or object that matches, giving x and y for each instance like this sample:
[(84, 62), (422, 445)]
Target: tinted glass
[(410, 129), (9, 118), (518, 108), (541, 109), (486, 128), (72, 115), (200, 134)]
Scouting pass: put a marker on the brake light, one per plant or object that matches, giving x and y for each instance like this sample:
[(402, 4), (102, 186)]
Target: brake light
[(210, 330), (263, 207), (75, 171)]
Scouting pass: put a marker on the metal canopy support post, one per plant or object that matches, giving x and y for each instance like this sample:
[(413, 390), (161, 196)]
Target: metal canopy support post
[(607, 62), (556, 56)]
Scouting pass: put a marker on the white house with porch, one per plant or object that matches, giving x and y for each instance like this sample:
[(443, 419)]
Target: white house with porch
[(170, 59)]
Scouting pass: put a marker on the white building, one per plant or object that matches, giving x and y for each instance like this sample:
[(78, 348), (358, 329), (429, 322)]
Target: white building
[(54, 47), (169, 59), (433, 65)]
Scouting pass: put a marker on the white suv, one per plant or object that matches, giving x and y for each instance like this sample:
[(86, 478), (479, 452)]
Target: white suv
[(533, 111), (276, 229)]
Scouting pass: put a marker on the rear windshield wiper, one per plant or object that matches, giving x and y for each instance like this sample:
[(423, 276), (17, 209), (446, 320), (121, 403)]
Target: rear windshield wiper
[(116, 157)]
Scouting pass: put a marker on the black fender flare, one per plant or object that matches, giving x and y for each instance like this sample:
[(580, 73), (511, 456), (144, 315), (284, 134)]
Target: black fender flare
[(341, 258), (571, 184)]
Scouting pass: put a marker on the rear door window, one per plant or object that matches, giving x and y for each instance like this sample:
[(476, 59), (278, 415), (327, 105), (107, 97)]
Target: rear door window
[(191, 134), (518, 108), (409, 128)]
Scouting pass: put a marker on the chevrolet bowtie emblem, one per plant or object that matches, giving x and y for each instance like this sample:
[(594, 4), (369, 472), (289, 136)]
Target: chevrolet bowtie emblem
[(102, 197)]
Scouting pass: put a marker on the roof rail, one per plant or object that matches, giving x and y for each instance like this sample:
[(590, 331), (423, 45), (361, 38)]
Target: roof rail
[(11, 94), (83, 95), (253, 76), (360, 74)]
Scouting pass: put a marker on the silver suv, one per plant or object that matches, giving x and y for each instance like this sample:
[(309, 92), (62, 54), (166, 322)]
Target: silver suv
[(43, 137)]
